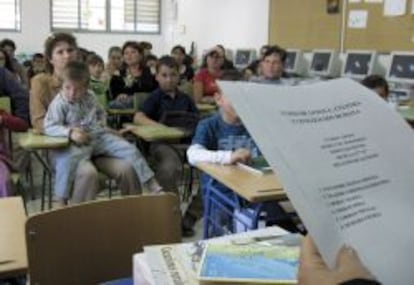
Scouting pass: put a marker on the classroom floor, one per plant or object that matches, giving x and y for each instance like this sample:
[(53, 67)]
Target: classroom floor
[(34, 206)]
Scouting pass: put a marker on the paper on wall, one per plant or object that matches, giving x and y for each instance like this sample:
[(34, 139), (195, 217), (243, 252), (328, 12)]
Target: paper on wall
[(395, 7), (357, 19), (344, 159)]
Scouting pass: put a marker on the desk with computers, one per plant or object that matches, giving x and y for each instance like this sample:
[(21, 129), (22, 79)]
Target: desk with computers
[(322, 64)]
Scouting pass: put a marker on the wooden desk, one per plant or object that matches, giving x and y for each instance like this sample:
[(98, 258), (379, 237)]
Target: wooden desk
[(13, 253), (407, 113), (254, 188), (33, 142), (119, 112), (206, 107), (151, 133)]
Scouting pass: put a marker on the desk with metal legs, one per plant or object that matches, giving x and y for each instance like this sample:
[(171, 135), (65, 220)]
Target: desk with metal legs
[(252, 188), (36, 142)]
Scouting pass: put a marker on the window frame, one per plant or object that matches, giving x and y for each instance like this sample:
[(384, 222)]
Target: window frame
[(17, 11), (108, 22)]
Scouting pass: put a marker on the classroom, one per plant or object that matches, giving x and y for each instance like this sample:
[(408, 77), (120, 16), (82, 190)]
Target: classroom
[(136, 140)]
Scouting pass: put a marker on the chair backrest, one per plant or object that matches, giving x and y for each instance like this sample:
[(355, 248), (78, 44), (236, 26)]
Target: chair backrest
[(94, 242), (180, 119), (5, 104), (139, 99), (187, 88)]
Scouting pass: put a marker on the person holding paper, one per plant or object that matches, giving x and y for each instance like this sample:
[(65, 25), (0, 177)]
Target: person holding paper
[(349, 269)]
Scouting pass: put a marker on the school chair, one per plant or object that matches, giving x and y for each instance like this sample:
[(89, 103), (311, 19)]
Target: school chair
[(5, 105), (139, 99), (188, 122), (187, 88), (94, 242)]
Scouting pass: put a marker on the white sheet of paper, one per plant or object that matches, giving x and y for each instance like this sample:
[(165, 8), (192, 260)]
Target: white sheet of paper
[(346, 162), (374, 1), (357, 19), (395, 7)]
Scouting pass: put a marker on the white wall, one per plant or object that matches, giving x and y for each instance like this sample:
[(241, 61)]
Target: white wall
[(233, 23), (36, 28)]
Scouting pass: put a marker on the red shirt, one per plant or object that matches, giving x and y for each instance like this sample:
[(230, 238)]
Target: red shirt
[(208, 80), (13, 123)]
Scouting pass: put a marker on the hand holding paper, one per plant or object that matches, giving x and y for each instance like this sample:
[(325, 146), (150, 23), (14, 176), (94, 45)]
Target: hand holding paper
[(344, 159)]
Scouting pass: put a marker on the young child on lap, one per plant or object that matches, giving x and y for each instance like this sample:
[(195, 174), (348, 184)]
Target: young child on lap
[(75, 113)]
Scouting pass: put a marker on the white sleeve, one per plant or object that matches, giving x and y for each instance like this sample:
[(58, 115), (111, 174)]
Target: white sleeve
[(197, 153)]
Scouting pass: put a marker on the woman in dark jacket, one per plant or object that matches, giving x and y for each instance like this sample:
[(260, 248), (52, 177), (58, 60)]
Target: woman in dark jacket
[(134, 77)]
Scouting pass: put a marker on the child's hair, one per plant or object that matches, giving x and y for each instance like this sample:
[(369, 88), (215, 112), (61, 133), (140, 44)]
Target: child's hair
[(51, 43), (275, 49), (145, 45), (167, 61), (134, 45), (76, 71), (211, 52), (83, 54), (178, 47), (375, 81), (114, 49), (8, 42), (231, 75), (94, 59), (38, 56), (8, 63), (151, 57)]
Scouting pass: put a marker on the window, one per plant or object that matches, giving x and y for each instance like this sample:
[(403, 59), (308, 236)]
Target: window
[(10, 15), (134, 16)]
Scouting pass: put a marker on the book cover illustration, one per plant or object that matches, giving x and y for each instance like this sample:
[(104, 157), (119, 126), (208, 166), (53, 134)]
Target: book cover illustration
[(273, 261)]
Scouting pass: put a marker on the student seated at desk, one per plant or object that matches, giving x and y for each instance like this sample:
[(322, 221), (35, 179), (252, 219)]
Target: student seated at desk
[(134, 77), (378, 84), (186, 72), (254, 68), (76, 114), (272, 66), (167, 98), (19, 96), (96, 83), (205, 86), (15, 124), (223, 139)]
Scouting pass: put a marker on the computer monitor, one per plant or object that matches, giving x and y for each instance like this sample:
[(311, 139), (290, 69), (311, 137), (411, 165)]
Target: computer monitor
[(293, 61), (243, 57), (323, 63), (401, 68), (358, 64)]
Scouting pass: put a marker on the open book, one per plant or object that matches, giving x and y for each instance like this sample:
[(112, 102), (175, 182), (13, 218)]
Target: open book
[(346, 161)]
